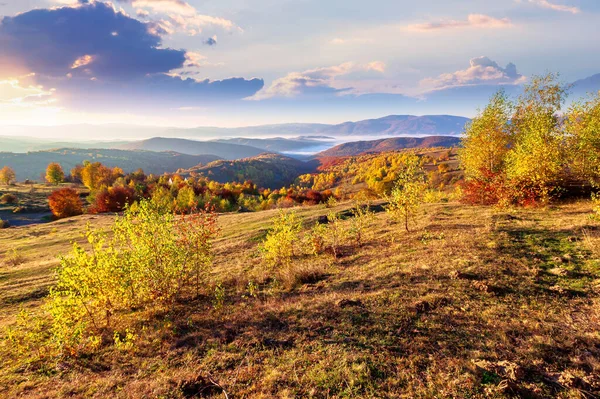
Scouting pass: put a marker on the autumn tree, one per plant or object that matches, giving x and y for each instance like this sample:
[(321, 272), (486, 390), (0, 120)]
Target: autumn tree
[(65, 202), (487, 138), (278, 246), (7, 175), (583, 136), (536, 161), (94, 175), (407, 194), (55, 174)]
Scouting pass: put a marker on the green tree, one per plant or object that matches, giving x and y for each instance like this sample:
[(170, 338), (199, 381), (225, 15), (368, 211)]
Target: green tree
[(55, 174)]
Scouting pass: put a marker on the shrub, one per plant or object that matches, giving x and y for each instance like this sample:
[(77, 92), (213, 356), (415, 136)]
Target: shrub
[(278, 246), (596, 205), (65, 203), (14, 258), (361, 217), (317, 239), (150, 259), (8, 199)]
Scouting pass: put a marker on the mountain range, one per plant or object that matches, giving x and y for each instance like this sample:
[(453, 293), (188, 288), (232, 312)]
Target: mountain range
[(393, 125)]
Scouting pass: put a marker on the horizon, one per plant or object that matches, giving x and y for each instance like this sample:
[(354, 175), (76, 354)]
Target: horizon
[(191, 64)]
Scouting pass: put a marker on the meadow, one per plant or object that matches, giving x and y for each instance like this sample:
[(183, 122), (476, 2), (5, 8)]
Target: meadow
[(472, 302)]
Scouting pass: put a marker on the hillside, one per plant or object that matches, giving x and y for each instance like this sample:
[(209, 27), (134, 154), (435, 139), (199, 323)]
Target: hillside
[(33, 165), (472, 303), (266, 170), (392, 144), (193, 147)]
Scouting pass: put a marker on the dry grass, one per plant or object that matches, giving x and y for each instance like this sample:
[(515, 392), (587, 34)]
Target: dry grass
[(472, 303)]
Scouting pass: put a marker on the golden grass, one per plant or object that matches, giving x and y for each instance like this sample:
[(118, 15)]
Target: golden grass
[(472, 303)]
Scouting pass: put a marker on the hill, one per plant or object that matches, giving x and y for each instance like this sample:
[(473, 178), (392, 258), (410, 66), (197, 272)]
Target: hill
[(474, 302), (266, 170), (193, 147), (392, 144), (32, 165)]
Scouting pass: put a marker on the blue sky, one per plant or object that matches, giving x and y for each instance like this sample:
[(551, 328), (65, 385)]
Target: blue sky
[(245, 62)]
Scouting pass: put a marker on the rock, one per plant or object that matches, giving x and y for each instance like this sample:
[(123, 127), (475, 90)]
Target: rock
[(346, 303), (558, 271)]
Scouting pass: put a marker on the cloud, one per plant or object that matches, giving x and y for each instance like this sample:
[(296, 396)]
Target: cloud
[(18, 92), (318, 81), (482, 71), (98, 57), (177, 16), (479, 21), (211, 41), (351, 40), (52, 41), (163, 6), (555, 7)]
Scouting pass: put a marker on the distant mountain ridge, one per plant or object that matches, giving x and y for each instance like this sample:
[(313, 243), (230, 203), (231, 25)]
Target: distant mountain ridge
[(192, 147), (392, 125), (33, 165), (391, 144)]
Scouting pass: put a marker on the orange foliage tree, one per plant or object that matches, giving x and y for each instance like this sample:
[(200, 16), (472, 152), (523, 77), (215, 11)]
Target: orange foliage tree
[(65, 203)]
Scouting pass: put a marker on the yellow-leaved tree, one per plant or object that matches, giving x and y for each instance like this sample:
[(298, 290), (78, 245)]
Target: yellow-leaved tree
[(536, 161), (487, 138), (55, 174), (408, 191)]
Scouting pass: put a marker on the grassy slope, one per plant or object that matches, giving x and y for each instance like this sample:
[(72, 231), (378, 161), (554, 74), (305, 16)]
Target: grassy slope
[(430, 313)]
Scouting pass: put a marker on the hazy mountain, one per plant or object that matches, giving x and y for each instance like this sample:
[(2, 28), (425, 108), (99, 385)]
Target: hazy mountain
[(32, 165), (405, 125), (267, 170), (279, 144), (587, 86), (393, 125), (27, 144), (392, 144), (193, 147)]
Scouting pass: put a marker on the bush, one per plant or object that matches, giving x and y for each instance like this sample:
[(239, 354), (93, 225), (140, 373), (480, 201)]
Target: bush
[(278, 247), (14, 258), (65, 203), (150, 259), (8, 199)]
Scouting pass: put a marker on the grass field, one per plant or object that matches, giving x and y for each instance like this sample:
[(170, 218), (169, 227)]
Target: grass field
[(472, 303)]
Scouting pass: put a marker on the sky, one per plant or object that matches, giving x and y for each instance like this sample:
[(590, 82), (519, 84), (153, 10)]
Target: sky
[(234, 63)]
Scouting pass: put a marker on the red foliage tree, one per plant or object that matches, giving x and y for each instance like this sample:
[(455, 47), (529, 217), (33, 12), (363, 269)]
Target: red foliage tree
[(113, 199), (65, 203)]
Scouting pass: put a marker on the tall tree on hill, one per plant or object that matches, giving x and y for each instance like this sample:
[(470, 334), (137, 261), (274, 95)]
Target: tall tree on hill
[(487, 139), (55, 174), (7, 175), (536, 161), (583, 135)]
